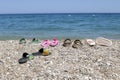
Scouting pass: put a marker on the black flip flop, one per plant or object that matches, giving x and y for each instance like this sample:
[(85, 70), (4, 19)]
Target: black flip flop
[(67, 42), (24, 58), (77, 43)]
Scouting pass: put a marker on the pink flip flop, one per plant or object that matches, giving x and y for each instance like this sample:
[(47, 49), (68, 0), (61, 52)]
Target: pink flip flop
[(45, 43), (54, 42)]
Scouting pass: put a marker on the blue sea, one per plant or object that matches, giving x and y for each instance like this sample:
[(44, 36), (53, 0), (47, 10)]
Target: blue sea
[(61, 26)]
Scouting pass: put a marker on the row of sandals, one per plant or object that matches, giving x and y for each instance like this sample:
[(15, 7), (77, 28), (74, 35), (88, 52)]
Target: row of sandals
[(99, 41), (67, 42)]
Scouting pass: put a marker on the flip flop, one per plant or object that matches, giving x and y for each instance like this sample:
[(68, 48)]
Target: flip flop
[(77, 43), (54, 42), (25, 58), (22, 60), (103, 41), (44, 52), (90, 42), (38, 53), (67, 43), (45, 43), (34, 40), (22, 41)]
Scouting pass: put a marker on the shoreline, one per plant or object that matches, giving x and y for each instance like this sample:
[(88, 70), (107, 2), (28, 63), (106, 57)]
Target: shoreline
[(56, 38), (95, 63)]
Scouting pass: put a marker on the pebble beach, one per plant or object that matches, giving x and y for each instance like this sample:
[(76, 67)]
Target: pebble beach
[(64, 63)]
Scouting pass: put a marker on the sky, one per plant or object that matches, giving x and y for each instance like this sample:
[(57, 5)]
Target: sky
[(59, 6)]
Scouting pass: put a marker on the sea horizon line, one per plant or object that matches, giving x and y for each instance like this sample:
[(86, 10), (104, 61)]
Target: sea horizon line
[(55, 13)]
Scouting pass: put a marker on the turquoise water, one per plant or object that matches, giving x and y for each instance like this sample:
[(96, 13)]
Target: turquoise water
[(16, 26)]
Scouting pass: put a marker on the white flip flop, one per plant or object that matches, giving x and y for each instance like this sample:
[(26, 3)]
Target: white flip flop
[(90, 42), (103, 41)]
